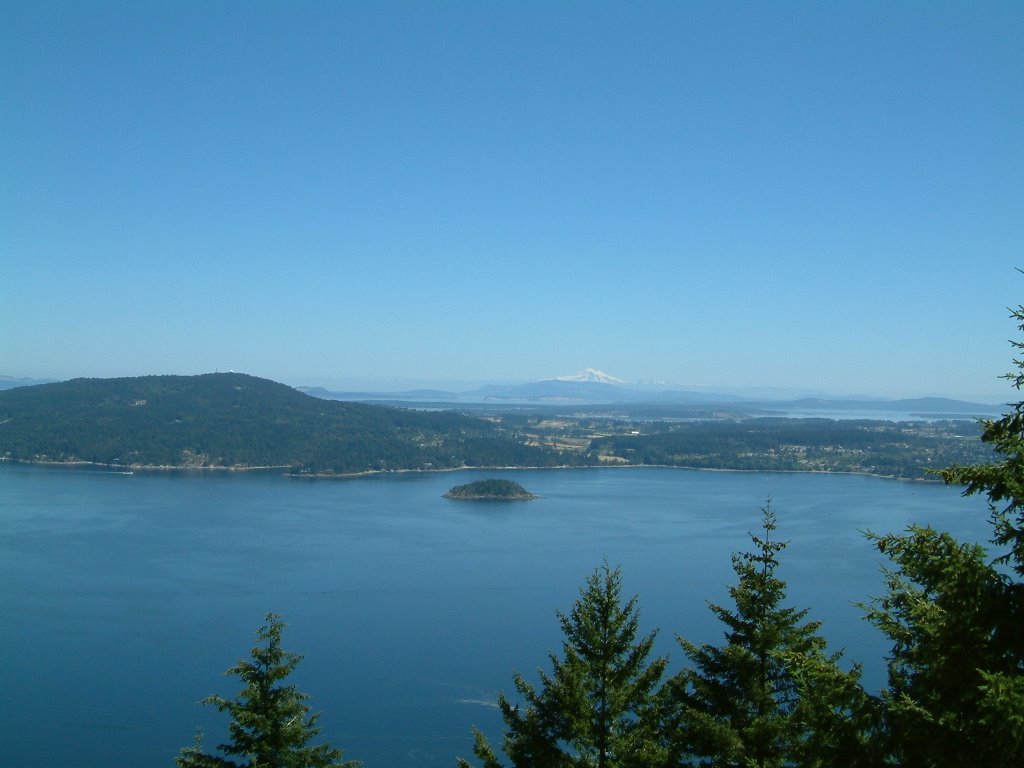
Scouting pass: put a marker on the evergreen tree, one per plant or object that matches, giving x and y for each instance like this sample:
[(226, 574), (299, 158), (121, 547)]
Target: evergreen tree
[(956, 668), (1002, 480), (946, 613), (270, 722), (597, 707), (771, 695)]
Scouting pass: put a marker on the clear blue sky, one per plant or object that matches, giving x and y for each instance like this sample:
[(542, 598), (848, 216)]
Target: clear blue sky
[(827, 195)]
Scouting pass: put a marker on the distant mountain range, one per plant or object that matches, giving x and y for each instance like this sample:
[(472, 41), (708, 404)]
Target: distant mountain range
[(10, 382), (592, 375), (594, 387)]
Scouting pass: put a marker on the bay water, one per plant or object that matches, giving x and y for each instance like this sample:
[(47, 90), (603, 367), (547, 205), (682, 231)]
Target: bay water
[(124, 598)]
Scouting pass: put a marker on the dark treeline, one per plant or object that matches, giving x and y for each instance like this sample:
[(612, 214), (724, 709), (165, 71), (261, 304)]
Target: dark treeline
[(893, 449)]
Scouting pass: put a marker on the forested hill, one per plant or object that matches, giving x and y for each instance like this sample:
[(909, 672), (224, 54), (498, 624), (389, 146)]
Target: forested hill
[(240, 421)]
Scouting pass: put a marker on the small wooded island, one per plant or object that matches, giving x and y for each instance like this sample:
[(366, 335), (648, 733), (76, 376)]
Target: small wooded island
[(490, 490)]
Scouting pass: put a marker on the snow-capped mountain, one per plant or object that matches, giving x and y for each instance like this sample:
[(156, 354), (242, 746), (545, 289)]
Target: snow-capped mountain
[(592, 375)]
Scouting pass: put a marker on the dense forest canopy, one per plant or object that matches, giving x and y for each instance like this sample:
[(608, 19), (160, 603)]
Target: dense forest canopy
[(240, 421), (893, 449), (491, 488)]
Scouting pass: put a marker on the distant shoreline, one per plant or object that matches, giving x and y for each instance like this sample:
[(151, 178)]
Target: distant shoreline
[(155, 469)]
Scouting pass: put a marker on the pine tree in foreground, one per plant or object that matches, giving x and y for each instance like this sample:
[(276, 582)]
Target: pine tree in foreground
[(948, 614), (270, 722), (596, 708), (771, 695), (956, 621), (1002, 480)]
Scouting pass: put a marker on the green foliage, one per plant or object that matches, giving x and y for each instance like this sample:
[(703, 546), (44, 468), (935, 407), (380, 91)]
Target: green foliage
[(489, 489), (234, 420), (270, 722), (774, 444), (771, 695), (955, 665), (596, 708), (956, 622), (840, 722), (1002, 480)]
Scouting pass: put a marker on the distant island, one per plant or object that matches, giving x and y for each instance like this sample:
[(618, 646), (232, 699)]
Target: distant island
[(490, 490)]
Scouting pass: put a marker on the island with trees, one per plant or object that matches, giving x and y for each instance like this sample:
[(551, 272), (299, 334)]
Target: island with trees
[(490, 490)]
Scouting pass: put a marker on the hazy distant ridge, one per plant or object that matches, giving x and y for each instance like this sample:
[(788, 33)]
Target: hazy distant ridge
[(591, 386), (10, 382)]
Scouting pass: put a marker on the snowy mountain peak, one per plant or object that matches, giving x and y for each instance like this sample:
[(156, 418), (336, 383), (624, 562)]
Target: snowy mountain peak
[(591, 374)]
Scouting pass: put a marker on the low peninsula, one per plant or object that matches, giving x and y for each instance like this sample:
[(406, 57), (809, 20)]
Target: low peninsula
[(490, 490)]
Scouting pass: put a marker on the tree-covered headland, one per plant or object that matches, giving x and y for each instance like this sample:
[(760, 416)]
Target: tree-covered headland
[(231, 420)]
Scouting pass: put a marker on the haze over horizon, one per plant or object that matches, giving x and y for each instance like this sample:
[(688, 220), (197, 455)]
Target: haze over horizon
[(470, 391), (808, 196), (750, 391)]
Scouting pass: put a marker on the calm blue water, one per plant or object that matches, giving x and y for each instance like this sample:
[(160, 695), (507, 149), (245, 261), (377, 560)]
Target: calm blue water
[(123, 598)]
